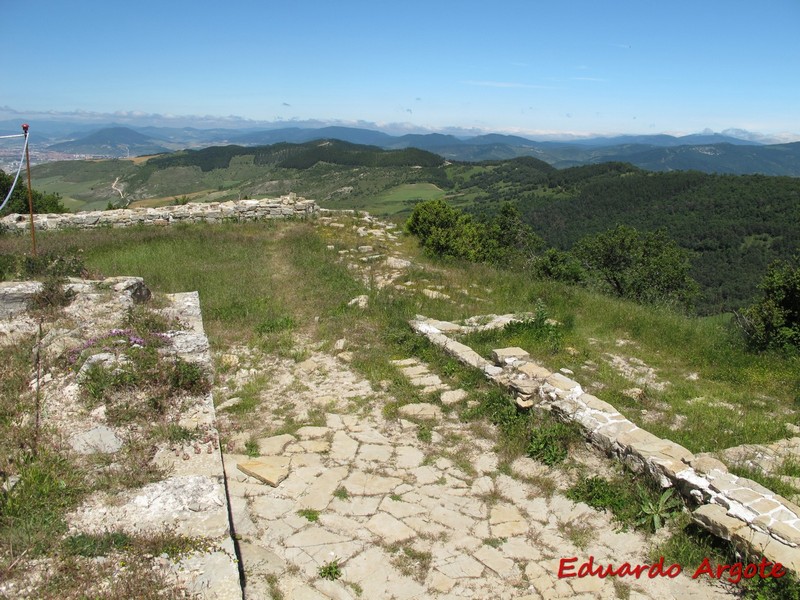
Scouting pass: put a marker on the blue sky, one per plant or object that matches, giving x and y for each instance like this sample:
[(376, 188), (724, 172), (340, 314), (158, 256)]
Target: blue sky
[(529, 67)]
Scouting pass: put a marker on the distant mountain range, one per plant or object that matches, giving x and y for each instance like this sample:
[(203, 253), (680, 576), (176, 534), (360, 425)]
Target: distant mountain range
[(115, 142), (706, 152)]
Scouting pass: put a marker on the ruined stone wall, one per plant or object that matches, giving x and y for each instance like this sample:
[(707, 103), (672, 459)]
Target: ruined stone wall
[(734, 508), (211, 212)]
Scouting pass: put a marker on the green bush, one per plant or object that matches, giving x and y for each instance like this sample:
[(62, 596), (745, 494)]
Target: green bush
[(773, 322), (648, 267), (559, 266), (42, 203)]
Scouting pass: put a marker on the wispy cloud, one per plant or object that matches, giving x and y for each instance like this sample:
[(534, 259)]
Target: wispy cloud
[(600, 79), (507, 85)]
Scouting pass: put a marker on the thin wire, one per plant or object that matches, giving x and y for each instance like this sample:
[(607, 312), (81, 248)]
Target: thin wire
[(11, 191)]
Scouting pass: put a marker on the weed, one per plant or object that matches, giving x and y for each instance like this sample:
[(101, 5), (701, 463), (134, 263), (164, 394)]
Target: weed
[(131, 467), (411, 562), (356, 588), (615, 495), (309, 513), (93, 545), (654, 513), (425, 432), (275, 324), (170, 543), (176, 434), (272, 583), (251, 448), (494, 542), (32, 513), (550, 443), (341, 493), (53, 294), (189, 377), (331, 570), (143, 320), (622, 590), (580, 534)]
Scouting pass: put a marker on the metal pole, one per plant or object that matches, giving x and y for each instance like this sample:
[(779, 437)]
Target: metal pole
[(30, 193)]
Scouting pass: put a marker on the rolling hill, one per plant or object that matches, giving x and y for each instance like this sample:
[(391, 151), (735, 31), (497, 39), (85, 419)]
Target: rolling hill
[(734, 225), (113, 142)]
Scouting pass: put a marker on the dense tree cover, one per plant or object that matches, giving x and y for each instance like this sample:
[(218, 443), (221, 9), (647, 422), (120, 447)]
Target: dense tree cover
[(18, 203), (734, 226), (448, 232), (644, 267), (648, 267), (773, 321), (298, 156)]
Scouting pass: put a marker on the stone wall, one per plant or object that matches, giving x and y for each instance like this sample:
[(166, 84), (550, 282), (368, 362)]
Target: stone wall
[(754, 518), (211, 212)]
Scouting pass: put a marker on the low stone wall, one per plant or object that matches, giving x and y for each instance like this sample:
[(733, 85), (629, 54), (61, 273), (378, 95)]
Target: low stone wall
[(211, 212), (734, 508)]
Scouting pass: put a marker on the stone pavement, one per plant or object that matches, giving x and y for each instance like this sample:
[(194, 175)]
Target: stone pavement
[(398, 517)]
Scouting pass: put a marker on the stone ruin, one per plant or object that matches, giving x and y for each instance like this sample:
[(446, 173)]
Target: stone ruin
[(192, 212), (734, 508)]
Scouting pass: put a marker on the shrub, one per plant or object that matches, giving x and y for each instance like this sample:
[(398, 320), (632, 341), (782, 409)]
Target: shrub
[(773, 321), (648, 267), (560, 266)]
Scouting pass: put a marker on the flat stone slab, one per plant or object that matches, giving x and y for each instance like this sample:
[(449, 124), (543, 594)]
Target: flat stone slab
[(420, 410), (451, 397), (533, 370), (390, 529), (275, 444), (269, 469), (100, 439), (369, 484), (506, 356)]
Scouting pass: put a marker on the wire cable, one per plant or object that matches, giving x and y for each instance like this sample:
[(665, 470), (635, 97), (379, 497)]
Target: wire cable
[(11, 191)]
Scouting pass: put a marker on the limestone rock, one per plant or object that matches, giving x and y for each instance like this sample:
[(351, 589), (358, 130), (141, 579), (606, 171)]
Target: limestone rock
[(269, 469), (100, 439)]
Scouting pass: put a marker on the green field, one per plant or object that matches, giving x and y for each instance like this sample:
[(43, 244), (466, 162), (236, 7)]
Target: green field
[(398, 200)]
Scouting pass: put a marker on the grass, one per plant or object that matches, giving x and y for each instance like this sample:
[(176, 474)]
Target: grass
[(309, 514), (296, 287), (410, 561), (297, 290), (688, 545)]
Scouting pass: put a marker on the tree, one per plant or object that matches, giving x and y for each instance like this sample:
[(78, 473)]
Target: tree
[(508, 241), (18, 203), (773, 321), (560, 266), (445, 231), (645, 267)]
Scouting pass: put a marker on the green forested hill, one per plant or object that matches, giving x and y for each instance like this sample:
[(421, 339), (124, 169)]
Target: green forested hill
[(734, 225)]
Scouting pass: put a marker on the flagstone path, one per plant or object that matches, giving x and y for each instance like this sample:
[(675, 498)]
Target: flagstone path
[(386, 513)]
